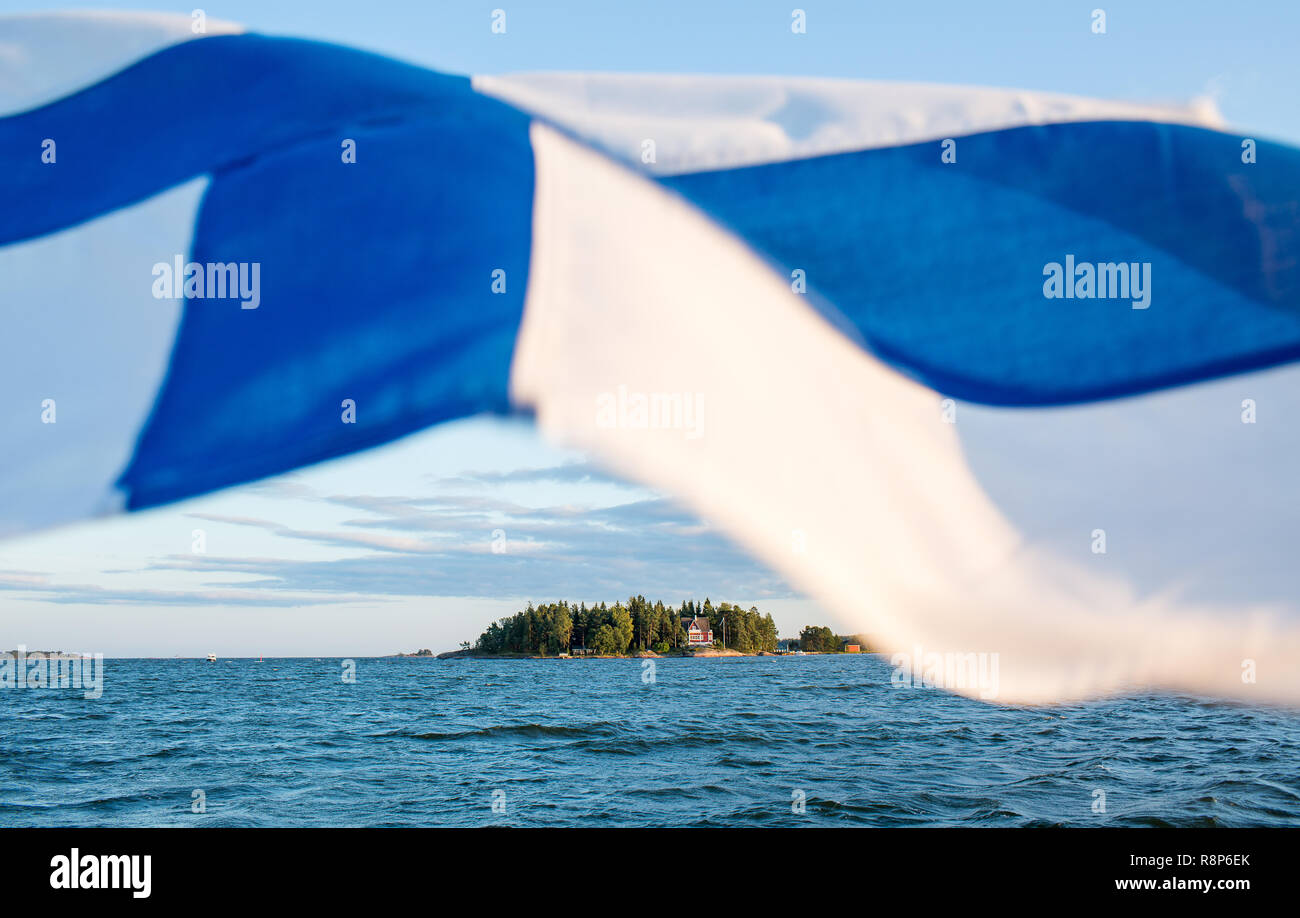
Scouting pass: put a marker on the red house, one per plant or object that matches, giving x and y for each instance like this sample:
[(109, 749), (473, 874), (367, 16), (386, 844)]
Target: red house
[(697, 631)]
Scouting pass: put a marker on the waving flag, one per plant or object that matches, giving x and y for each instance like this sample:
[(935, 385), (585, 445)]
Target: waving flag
[(989, 372)]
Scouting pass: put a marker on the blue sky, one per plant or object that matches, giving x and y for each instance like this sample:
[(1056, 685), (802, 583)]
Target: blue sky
[(392, 549), (388, 550)]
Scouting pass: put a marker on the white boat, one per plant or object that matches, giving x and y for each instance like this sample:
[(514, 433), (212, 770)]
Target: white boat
[(212, 658)]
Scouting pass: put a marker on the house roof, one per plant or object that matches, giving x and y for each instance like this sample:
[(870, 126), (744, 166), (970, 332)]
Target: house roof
[(697, 622)]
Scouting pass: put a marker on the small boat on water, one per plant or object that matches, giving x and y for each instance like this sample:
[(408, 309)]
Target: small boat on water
[(212, 658)]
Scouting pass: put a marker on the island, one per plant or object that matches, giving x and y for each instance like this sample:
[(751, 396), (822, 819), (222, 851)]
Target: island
[(640, 628)]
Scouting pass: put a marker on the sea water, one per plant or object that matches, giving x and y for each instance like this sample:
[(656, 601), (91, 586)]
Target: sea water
[(756, 741)]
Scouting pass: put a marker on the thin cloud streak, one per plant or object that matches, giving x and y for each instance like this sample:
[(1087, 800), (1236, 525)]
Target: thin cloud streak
[(469, 545)]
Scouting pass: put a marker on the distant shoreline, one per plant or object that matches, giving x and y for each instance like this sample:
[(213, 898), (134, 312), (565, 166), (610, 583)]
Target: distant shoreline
[(710, 653), (44, 654)]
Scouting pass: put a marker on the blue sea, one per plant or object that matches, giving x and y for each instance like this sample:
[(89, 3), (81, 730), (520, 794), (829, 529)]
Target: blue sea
[(759, 741)]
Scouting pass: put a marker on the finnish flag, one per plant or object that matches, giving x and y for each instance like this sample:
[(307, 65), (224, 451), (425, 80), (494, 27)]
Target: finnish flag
[(985, 371)]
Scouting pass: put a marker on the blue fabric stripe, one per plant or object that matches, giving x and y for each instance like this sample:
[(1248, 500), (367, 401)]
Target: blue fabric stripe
[(938, 267), (198, 107), (375, 276)]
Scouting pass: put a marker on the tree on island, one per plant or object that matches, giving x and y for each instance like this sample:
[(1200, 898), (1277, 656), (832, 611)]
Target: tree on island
[(561, 628), (818, 639)]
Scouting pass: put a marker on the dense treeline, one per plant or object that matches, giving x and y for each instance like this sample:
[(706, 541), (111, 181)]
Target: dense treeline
[(745, 629), (820, 639), (635, 625)]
